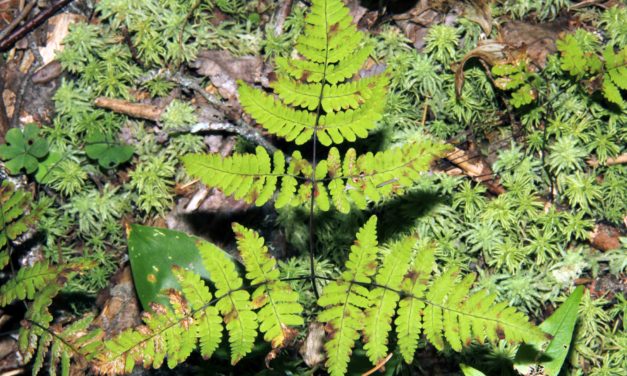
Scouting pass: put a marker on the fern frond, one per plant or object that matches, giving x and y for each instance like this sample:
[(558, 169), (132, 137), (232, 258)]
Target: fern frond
[(66, 344), (37, 321), (384, 298), (367, 178), (13, 221), (409, 314), (454, 316), (344, 300), (28, 282), (208, 321), (277, 302), (333, 51), (233, 302)]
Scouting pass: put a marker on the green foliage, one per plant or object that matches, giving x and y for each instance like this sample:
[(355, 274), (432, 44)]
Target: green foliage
[(331, 45), (560, 325), (107, 151), (178, 115), (193, 317), (441, 43), (23, 149), (366, 178), (153, 252), (40, 283), (518, 79), (609, 68), (442, 306), (14, 218), (152, 180)]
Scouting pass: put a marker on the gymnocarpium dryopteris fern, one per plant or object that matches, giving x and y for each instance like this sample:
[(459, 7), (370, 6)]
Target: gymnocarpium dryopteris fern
[(38, 334), (13, 222), (369, 294), (363, 302), (316, 99), (196, 317)]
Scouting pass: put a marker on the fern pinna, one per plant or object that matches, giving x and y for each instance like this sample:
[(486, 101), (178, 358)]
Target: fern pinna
[(316, 99), (367, 297), (198, 316)]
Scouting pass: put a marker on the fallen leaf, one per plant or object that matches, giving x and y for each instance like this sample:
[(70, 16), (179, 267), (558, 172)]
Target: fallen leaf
[(224, 70)]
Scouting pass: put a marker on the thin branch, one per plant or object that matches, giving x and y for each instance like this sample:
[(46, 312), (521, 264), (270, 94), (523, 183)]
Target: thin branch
[(4, 118), (41, 17), (242, 129), (17, 20)]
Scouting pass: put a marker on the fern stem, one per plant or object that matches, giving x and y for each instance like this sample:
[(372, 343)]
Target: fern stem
[(63, 340), (312, 224)]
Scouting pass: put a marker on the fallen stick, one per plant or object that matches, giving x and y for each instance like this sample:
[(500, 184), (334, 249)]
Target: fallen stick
[(41, 17), (478, 170), (137, 110), (16, 21), (593, 162)]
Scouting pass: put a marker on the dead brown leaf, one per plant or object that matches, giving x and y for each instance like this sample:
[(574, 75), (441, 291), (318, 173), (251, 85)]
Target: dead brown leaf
[(480, 11), (312, 349), (490, 51), (120, 308), (224, 70), (535, 41)]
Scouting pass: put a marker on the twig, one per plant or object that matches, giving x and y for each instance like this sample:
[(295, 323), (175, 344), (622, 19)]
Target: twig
[(4, 119), (477, 170), (187, 18), (137, 110), (379, 365), (242, 129), (282, 13), (41, 17), (621, 159), (132, 48), (16, 21), (183, 81)]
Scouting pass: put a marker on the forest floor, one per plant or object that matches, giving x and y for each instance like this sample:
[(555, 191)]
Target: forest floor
[(529, 97)]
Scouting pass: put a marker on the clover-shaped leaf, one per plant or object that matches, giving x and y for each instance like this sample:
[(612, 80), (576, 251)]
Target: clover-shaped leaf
[(23, 149), (44, 173), (106, 150)]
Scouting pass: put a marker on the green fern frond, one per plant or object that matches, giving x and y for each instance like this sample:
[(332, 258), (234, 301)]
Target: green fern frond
[(455, 315), (333, 52), (277, 302), (233, 302), (344, 300), (63, 344), (28, 282), (367, 178), (194, 318), (13, 222), (378, 323), (409, 321), (37, 321), (445, 310), (208, 321)]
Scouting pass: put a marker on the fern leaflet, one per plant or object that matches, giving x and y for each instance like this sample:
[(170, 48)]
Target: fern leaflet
[(333, 51), (277, 302), (344, 300), (340, 181), (195, 317), (445, 310)]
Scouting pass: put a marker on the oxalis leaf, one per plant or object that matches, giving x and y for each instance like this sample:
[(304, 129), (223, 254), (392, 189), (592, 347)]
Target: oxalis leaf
[(23, 149), (106, 150), (44, 173), (561, 326), (153, 252)]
